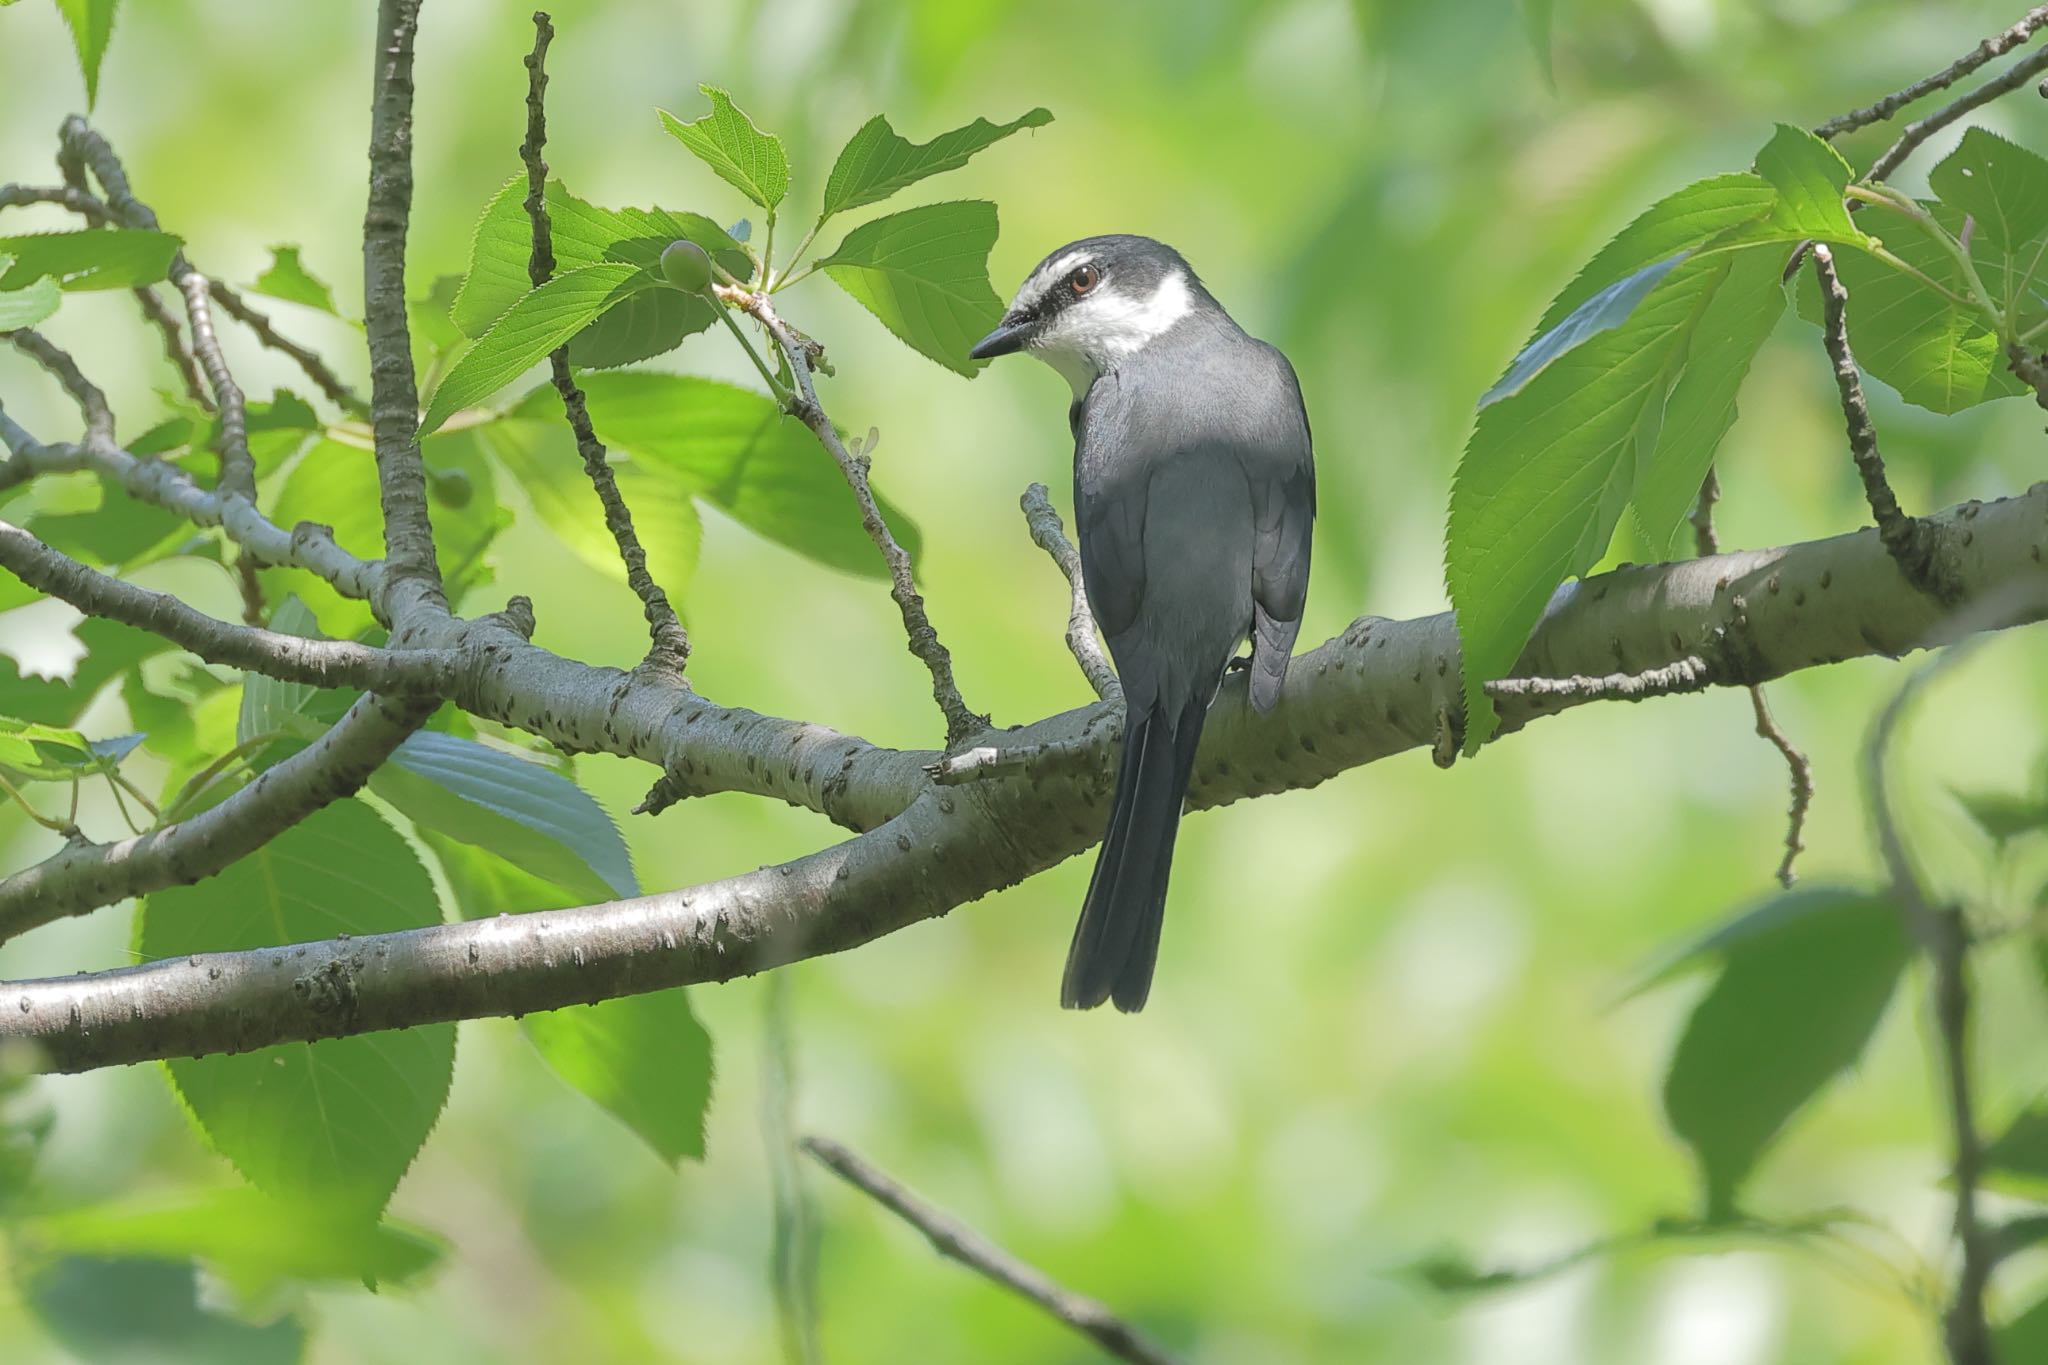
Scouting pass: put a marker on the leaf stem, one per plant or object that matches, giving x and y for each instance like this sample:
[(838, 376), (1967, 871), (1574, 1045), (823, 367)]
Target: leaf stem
[(768, 252), (46, 821), (787, 278), (1903, 205), (767, 377)]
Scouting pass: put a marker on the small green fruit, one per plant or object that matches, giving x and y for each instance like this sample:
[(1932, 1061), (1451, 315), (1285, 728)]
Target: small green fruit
[(684, 265)]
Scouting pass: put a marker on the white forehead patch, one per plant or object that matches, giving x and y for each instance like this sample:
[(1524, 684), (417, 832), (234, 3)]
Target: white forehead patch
[(1041, 279), (1094, 333)]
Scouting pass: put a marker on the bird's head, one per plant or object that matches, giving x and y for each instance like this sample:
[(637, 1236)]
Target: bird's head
[(1094, 303)]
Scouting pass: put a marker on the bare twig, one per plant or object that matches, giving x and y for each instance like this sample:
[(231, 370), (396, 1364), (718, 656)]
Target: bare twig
[(956, 1241), (1917, 132), (394, 395), (669, 647), (1050, 536), (802, 355), (793, 1255), (291, 658), (76, 198), (1798, 767), (323, 376), (175, 349), (1689, 674), (1993, 47), (1907, 541)]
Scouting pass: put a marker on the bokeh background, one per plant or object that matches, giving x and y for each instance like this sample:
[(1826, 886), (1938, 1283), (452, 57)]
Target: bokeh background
[(1388, 1022)]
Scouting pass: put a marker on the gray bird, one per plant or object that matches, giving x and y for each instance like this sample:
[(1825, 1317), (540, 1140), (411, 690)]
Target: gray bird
[(1195, 494)]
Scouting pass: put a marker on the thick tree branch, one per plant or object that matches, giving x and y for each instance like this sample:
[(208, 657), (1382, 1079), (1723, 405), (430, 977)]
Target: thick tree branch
[(669, 643), (1373, 691), (957, 1241), (394, 395), (1050, 536), (962, 724)]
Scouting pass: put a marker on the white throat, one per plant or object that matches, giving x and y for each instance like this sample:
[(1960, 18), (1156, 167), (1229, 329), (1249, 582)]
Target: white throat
[(1095, 334)]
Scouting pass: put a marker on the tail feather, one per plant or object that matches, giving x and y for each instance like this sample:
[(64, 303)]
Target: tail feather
[(1116, 942)]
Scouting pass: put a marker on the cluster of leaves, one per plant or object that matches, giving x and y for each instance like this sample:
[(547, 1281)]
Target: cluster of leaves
[(1624, 394), (324, 1132)]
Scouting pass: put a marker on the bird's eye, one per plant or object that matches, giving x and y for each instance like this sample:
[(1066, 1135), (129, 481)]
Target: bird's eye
[(1084, 279)]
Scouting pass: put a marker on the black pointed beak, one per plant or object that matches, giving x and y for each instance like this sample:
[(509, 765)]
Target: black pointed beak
[(1010, 335)]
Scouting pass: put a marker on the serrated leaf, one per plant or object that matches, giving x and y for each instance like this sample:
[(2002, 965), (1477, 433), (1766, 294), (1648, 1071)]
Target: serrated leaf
[(645, 324), (1804, 980), (533, 444), (1681, 221), (645, 1058), (287, 278), (1547, 473), (1810, 177), (111, 649), (2000, 184), (736, 449), (727, 141), (29, 305), (1938, 354), (92, 24), (331, 1125), (1701, 405), (89, 258), (271, 706), (1603, 312), (924, 273), (582, 234), (45, 753), (526, 813), (530, 328), (877, 161)]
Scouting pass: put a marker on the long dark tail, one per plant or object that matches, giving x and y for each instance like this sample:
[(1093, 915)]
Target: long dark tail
[(1117, 940)]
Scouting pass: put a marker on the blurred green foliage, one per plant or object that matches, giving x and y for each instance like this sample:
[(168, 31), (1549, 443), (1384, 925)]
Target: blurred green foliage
[(1387, 1029)]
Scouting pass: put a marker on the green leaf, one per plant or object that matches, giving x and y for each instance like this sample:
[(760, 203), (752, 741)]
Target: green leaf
[(1682, 221), (583, 234), (133, 1309), (532, 327), (1603, 312), (736, 449), (727, 141), (645, 324), (27, 306), (2000, 184), (2002, 816), (1810, 177), (2020, 1153), (92, 23), (111, 649), (876, 162), (89, 258), (1804, 980), (274, 707), (534, 445), (645, 1058), (924, 273), (121, 530), (1547, 473), (526, 813), (1938, 354), (46, 753), (2025, 1338), (247, 1238), (287, 278), (331, 1125), (1701, 405)]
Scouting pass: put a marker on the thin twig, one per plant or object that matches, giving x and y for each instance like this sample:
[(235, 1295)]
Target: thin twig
[(669, 647), (323, 376), (1909, 543), (394, 391), (956, 1241), (1050, 536), (175, 349), (962, 724), (76, 198), (91, 400), (793, 1255), (2018, 74), (1799, 768), (1690, 674), (1995, 46)]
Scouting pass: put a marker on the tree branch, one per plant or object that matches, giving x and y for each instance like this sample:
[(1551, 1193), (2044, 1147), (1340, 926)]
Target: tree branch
[(2015, 76), (175, 349), (957, 1241), (1373, 691), (316, 369), (669, 647), (1050, 536), (1997, 45), (1901, 534), (394, 395), (801, 353)]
